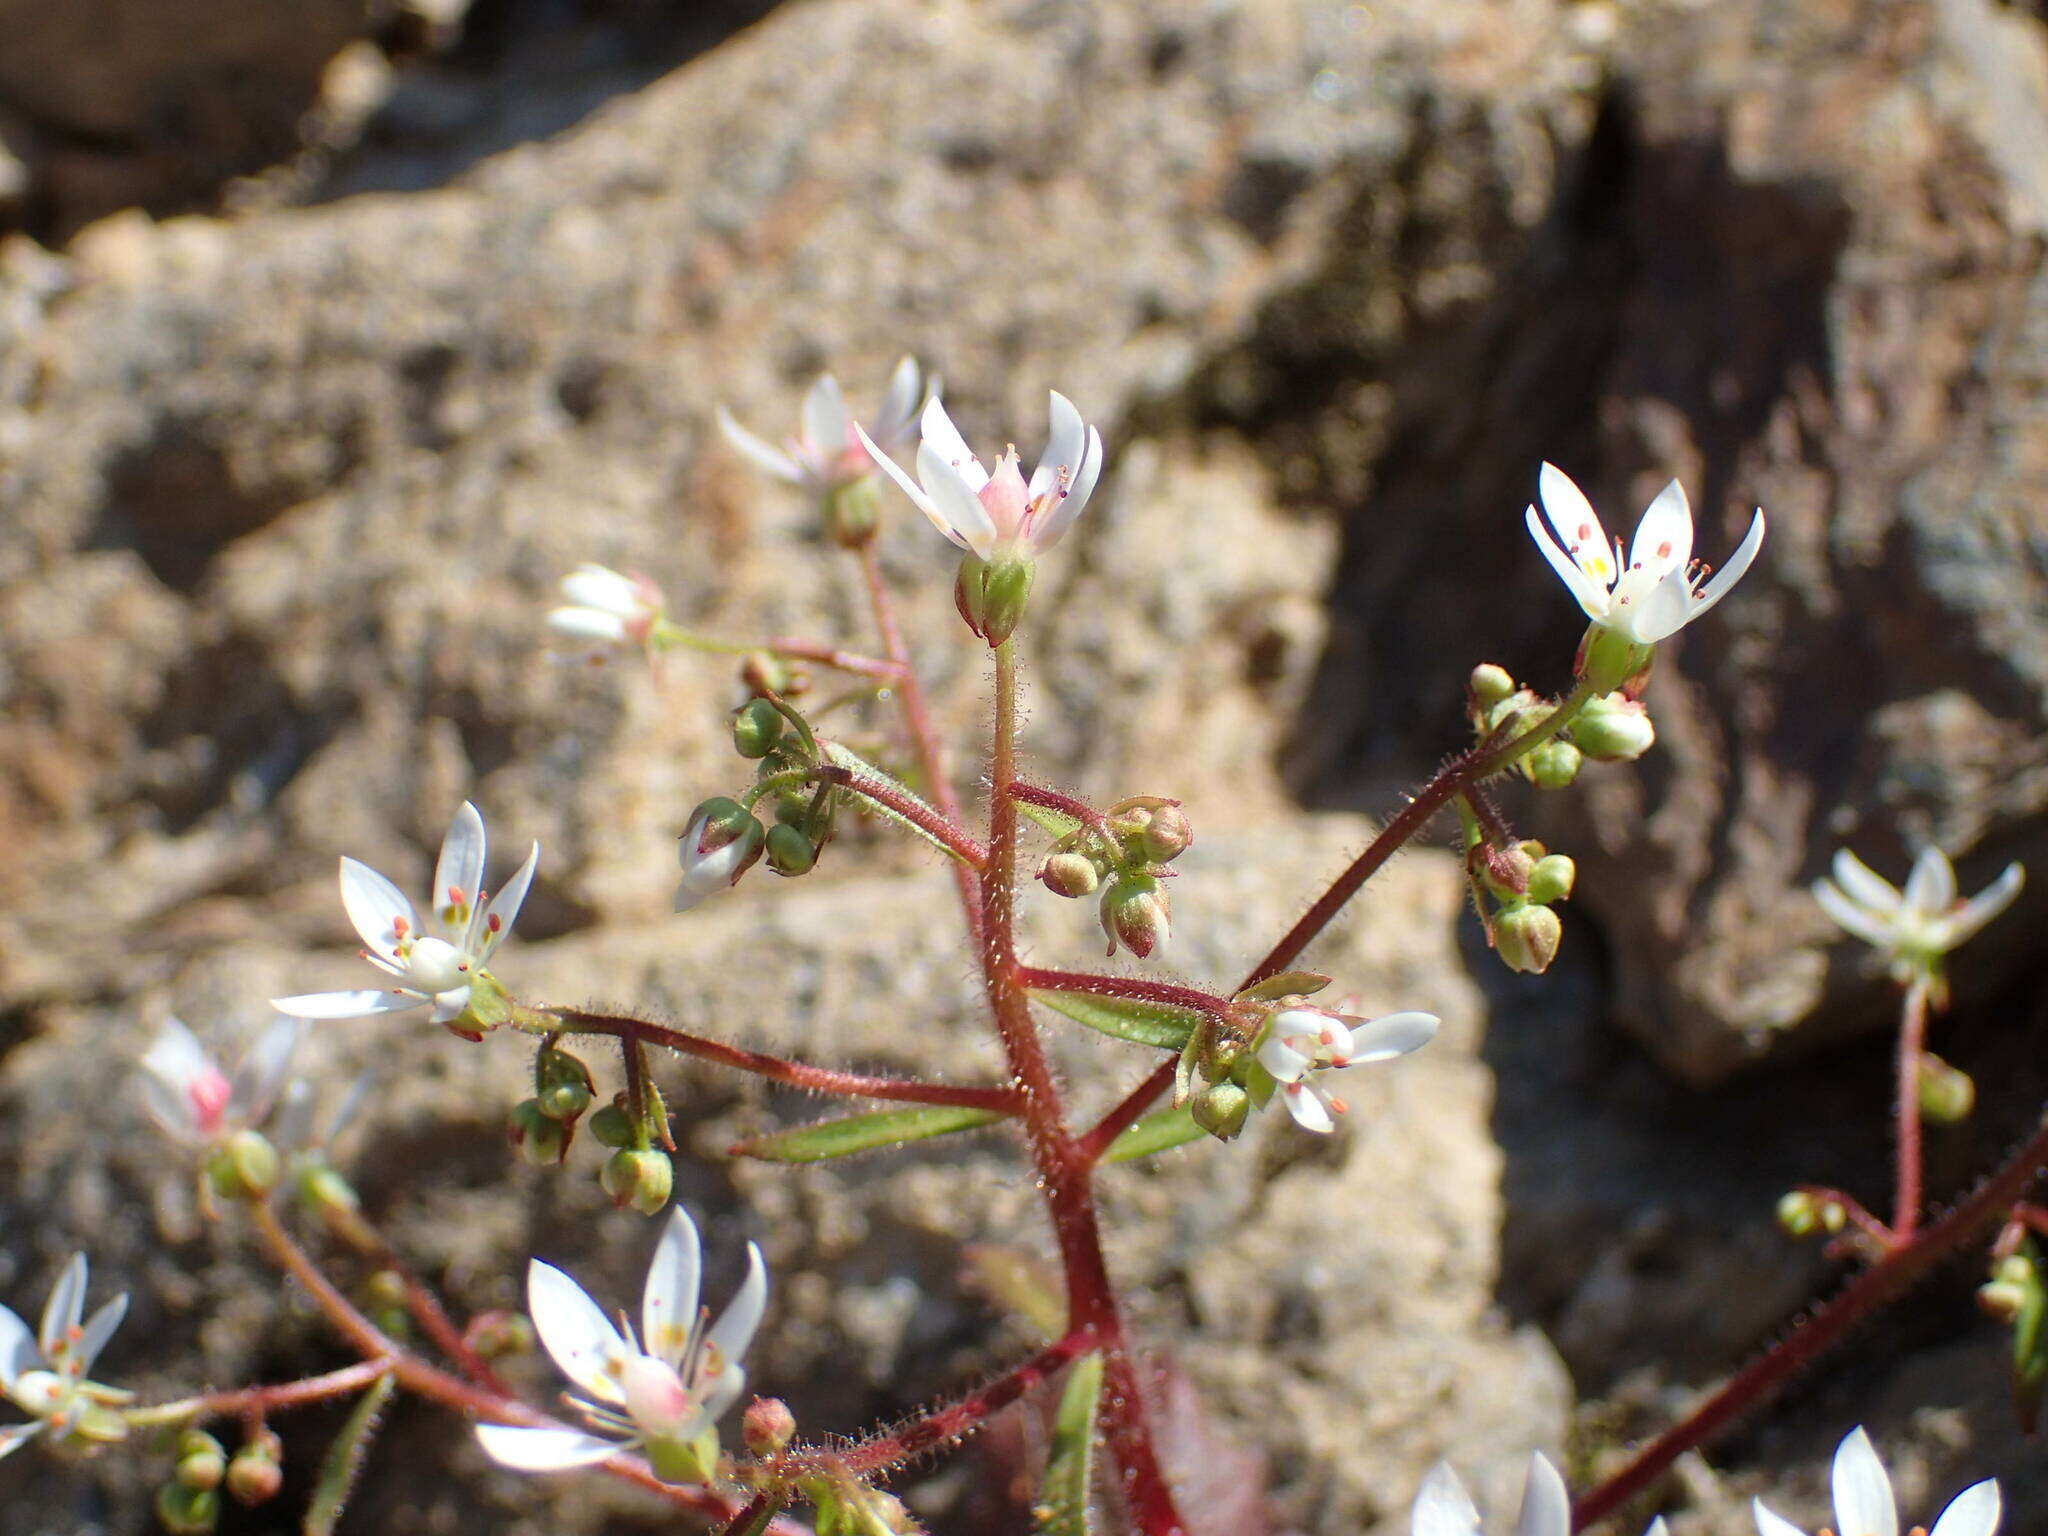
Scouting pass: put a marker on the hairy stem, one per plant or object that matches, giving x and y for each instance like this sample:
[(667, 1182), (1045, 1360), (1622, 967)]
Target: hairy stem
[(1906, 1195), (1136, 988), (263, 1399), (933, 823)]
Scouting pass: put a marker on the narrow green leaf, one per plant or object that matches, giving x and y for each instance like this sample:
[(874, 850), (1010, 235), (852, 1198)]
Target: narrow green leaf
[(1058, 823), (1157, 1132), (1062, 1508), (1285, 984), (853, 762), (1127, 1018), (864, 1133), (344, 1458)]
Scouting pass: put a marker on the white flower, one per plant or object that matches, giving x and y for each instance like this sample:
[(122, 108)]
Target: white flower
[(665, 1388), (1864, 1505), (44, 1373), (720, 843), (1443, 1508), (1000, 513), (435, 962), (826, 453), (195, 1103), (603, 611), (1652, 596), (1916, 927), (1301, 1044)]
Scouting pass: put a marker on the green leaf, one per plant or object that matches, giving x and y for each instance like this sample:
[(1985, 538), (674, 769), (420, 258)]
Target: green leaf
[(1062, 1508), (1058, 823), (756, 1524), (344, 1458), (864, 1133), (1157, 1132), (1127, 1018), (1286, 984), (844, 757)]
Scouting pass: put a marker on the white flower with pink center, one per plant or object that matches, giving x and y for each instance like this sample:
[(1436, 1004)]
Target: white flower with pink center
[(1645, 591), (827, 451), (664, 1388), (603, 611), (1864, 1505), (1303, 1048), (192, 1101), (994, 514), (434, 962), (44, 1372)]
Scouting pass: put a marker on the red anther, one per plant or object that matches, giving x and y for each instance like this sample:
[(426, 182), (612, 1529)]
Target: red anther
[(74, 1333), (399, 927), (1585, 530), (1328, 1036), (1340, 1061), (494, 922), (1338, 1106), (1664, 550), (455, 896), (59, 1419)]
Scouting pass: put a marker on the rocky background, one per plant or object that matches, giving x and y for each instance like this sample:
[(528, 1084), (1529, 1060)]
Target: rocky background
[(332, 333)]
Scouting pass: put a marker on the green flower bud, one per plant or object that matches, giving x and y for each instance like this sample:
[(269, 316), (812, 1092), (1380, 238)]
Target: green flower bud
[(991, 594), (642, 1179), (188, 1511), (1489, 685), (1551, 879), (756, 728), (1613, 728), (612, 1126), (789, 851), (1797, 1213), (1135, 914), (257, 1471), (1947, 1094), (565, 1084), (1505, 871), (1167, 835), (853, 511), (244, 1167), (768, 1426), (1221, 1052), (1221, 1109), (1527, 938), (541, 1139), (1612, 662), (497, 1335), (2002, 1300), (202, 1462), (1069, 874), (1554, 765)]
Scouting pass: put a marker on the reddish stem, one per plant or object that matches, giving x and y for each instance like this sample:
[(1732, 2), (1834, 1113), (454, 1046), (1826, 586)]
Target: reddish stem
[(262, 1400), (1137, 988), (891, 672), (1912, 1043), (1066, 805), (857, 1085), (924, 817)]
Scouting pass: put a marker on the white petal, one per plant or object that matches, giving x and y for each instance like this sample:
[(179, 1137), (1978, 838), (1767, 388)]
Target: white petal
[(1577, 525), (1591, 595), (18, 1351), (1442, 1507), (901, 401), (452, 1004), (944, 439), (1664, 610), (1663, 540), (668, 1307), (1657, 1527), (1546, 1506), (1731, 573), (175, 1054), (1973, 1512), (602, 588), (1066, 444), (346, 1005), (956, 511), (1931, 887), (586, 626), (262, 1071), (99, 1329), (1769, 1524), (15, 1436), (904, 482), (375, 906), (1048, 532), (824, 417), (762, 454), (1863, 1494), (579, 1336), (734, 1330), (1391, 1035), (64, 1308), (1286, 1064), (1864, 884), (1986, 904), (504, 907), (1305, 1102), (459, 868), (542, 1450), (1855, 918)]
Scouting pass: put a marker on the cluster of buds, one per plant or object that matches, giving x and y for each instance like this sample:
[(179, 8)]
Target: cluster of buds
[(2017, 1296), (1515, 888), (725, 838), (543, 1127), (1123, 854), (189, 1504), (638, 1173), (1608, 728), (1809, 1213)]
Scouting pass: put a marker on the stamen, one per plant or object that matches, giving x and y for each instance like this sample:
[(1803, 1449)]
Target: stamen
[(1338, 1106), (495, 921), (399, 927), (1664, 550)]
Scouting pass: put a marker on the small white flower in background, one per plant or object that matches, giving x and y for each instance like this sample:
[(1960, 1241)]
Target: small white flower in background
[(195, 1103), (1864, 1504), (603, 611), (826, 453), (44, 1372), (663, 1390), (1659, 591), (435, 962), (991, 515), (1301, 1045), (1443, 1508), (1917, 926)]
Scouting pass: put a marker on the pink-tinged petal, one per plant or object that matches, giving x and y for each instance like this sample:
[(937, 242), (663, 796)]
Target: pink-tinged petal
[(496, 920), (1066, 444), (100, 1328), (668, 1307), (1305, 1102), (1986, 904), (1729, 574), (1663, 540), (1853, 918), (1931, 887), (904, 482), (900, 403), (346, 1005), (64, 1308), (1005, 498), (261, 1073), (1864, 1505), (1580, 535), (14, 1436), (18, 1350), (1442, 1507), (824, 417), (735, 1328), (1391, 1035), (459, 874), (1591, 595), (1864, 884), (376, 907), (1054, 524), (1663, 610), (1768, 1524), (1546, 1506), (953, 505), (757, 451), (174, 1062), (543, 1450), (1973, 1512), (575, 1332), (944, 439)]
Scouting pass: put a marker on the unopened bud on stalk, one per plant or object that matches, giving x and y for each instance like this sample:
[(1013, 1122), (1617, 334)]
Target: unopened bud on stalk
[(1167, 835), (765, 672), (1947, 1094), (202, 1461), (497, 1335), (188, 1511), (768, 1426), (2002, 1301), (789, 851), (756, 728), (244, 1167), (1551, 879), (1069, 874), (1489, 685), (1798, 1214), (1554, 765), (991, 594), (852, 511), (721, 843), (1221, 1109), (257, 1471), (1505, 871), (1527, 938), (1613, 728), (1135, 914), (542, 1140), (642, 1179), (565, 1084)]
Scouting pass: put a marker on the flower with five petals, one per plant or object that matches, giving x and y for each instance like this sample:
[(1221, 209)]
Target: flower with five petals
[(44, 1372), (1302, 1045), (1916, 927), (828, 452)]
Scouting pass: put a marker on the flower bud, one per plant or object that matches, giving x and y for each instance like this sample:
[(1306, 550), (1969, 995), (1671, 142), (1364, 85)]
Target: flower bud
[(1135, 914), (201, 1460), (1947, 1094), (852, 512), (1527, 938), (565, 1084), (1167, 835), (1797, 1213), (1505, 871), (1489, 685), (612, 1126), (498, 1334), (257, 1471), (642, 1179), (1554, 765), (789, 851), (188, 1511), (244, 1167), (1551, 879), (1069, 874), (765, 672), (542, 1140), (768, 1426), (721, 843), (991, 594), (1613, 728), (1221, 1109), (1221, 1051), (2002, 1300), (756, 728), (1612, 662), (385, 1288), (324, 1192)]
